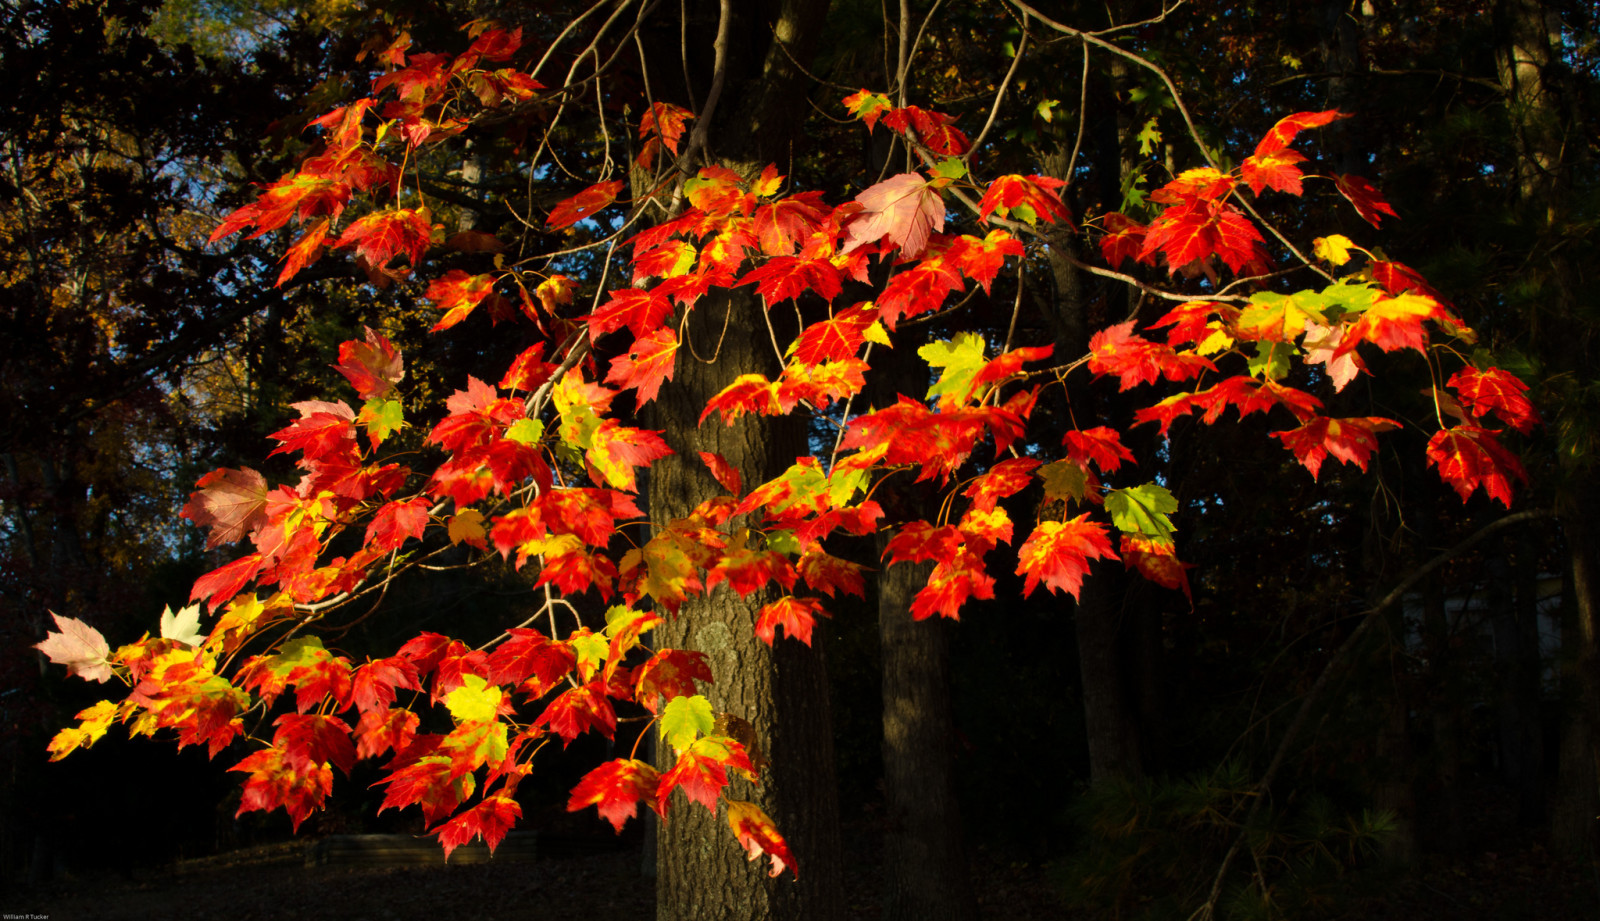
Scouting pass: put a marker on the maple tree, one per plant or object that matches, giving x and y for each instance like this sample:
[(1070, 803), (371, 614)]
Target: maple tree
[(545, 466)]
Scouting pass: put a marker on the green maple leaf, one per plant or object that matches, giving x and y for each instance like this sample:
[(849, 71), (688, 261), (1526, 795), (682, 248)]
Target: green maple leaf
[(685, 718), (961, 359), (1065, 479), (1143, 510), (381, 418)]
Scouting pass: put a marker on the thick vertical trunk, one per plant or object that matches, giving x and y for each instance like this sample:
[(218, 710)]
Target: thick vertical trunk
[(925, 864), (782, 691)]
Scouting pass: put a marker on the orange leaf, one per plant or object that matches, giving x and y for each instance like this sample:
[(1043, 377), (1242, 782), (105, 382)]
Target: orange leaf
[(585, 203), (1057, 553)]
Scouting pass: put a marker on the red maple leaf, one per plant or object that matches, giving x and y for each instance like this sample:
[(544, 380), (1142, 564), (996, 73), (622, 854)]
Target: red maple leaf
[(784, 224), (1469, 457), (670, 673), (615, 789), (1369, 202), (649, 363), (311, 739), (1136, 360), (373, 366), (323, 430), (784, 278), (1198, 228), (951, 583), (919, 290), (980, 260), (578, 710), (1057, 553), (382, 235), (490, 819), (797, 617), (749, 393), (221, 584), (1028, 197), (1275, 170), (585, 203), (305, 250), (1006, 478), (1123, 239), (530, 655), (381, 730), (904, 208), (1497, 392), (1350, 440), (458, 294), (275, 781), (702, 771), (373, 684), (1100, 445), (931, 128), (395, 522), (641, 311), (828, 574)]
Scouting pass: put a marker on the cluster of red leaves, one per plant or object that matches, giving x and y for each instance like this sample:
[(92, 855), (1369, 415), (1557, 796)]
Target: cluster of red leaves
[(514, 454)]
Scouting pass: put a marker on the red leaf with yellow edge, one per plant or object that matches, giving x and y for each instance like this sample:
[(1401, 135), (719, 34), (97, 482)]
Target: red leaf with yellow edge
[(382, 235), (1156, 561), (649, 363), (784, 224), (300, 194), (617, 452), (458, 294), (757, 835), (1275, 170), (666, 121), (232, 503), (1350, 440), (1469, 457), (615, 789), (1191, 321), (1136, 360), (1397, 278), (1394, 323), (1057, 553), (310, 739), (528, 370), (1369, 202), (904, 208), (1283, 133), (797, 617), (1250, 395), (1193, 186), (579, 710), (746, 570), (1006, 478), (821, 384), (1496, 392), (949, 586), (381, 730), (702, 771), (373, 366), (1028, 198), (585, 203), (918, 540), (490, 819), (274, 781), (749, 393), (1100, 445), (642, 312), (670, 673)]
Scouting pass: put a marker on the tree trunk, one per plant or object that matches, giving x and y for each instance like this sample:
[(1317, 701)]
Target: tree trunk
[(925, 864), (782, 691)]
